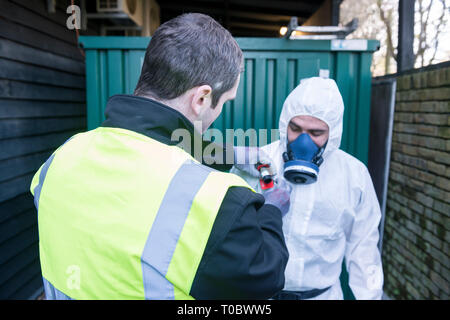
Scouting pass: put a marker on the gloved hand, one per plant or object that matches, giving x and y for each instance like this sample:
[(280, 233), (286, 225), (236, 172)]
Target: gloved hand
[(279, 196), (245, 159)]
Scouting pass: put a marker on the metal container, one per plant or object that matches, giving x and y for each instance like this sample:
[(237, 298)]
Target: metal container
[(273, 68)]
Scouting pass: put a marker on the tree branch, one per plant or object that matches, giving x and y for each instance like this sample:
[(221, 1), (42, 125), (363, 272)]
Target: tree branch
[(438, 31), (387, 22)]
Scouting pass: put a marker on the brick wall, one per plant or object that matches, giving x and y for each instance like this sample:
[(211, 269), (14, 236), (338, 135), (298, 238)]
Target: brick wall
[(416, 235)]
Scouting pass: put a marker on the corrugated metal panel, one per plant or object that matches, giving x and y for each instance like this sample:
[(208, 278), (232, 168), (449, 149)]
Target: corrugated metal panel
[(273, 68)]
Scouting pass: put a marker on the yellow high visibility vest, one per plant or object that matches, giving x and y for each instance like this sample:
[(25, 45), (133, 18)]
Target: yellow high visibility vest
[(123, 216)]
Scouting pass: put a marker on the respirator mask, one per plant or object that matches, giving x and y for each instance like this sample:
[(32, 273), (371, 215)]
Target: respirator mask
[(302, 160)]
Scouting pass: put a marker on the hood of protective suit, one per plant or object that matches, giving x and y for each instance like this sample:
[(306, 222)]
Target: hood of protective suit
[(319, 98), (335, 217)]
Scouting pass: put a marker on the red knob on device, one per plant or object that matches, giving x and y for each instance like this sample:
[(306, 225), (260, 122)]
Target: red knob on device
[(266, 180)]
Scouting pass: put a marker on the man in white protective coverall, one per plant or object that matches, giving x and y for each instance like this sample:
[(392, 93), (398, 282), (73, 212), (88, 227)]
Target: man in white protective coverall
[(334, 211)]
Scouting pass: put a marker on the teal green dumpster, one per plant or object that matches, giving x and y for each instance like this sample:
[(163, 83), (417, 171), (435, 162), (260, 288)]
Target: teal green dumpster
[(273, 68)]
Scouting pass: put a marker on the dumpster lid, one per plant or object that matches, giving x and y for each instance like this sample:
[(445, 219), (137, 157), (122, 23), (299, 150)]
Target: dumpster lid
[(249, 44)]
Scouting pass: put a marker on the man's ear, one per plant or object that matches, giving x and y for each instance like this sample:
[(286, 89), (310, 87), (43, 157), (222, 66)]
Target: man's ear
[(201, 99)]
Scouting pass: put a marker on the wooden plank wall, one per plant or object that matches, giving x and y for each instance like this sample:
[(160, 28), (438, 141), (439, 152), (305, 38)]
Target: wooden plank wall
[(42, 104)]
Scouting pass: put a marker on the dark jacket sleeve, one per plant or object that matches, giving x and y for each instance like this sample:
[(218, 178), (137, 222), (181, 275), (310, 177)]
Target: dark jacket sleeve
[(246, 254)]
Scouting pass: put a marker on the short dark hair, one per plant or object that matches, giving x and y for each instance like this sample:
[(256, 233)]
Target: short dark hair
[(188, 51)]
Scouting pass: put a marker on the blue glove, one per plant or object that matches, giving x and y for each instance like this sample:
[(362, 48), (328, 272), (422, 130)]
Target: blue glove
[(279, 196)]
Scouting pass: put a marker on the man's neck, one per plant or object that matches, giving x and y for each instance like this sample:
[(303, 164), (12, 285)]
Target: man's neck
[(178, 104)]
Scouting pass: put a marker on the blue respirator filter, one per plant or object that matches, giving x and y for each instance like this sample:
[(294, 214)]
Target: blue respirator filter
[(302, 160)]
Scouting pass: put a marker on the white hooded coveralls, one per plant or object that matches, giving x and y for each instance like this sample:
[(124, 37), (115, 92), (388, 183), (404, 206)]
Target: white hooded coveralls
[(335, 217)]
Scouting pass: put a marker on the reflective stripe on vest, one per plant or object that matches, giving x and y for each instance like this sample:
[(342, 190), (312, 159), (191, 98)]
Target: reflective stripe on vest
[(130, 215), (51, 293), (167, 227), (37, 187), (39, 177)]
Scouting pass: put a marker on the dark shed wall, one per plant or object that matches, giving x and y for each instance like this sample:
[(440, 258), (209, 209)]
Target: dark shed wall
[(42, 104)]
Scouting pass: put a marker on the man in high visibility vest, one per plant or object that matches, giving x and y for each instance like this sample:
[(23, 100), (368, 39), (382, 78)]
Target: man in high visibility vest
[(125, 213)]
